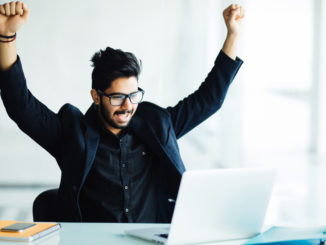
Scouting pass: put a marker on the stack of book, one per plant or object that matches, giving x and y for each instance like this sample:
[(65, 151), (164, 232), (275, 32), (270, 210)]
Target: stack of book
[(24, 231)]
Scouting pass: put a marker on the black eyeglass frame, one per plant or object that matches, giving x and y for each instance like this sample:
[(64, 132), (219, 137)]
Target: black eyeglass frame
[(100, 92)]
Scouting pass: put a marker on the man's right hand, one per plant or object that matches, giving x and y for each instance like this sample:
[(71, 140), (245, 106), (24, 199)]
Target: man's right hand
[(13, 16)]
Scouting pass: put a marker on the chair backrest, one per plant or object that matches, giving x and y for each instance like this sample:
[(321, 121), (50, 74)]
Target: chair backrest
[(45, 207)]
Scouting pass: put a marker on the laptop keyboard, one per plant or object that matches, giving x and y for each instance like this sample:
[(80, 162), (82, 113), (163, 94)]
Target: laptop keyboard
[(164, 235)]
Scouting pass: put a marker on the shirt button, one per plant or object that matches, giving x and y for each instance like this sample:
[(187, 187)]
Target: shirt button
[(126, 210), (126, 187), (123, 165), (143, 153)]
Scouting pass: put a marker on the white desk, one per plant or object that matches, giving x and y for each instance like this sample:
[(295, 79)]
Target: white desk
[(99, 234)]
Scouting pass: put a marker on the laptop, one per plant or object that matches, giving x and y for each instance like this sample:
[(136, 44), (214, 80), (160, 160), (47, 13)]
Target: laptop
[(216, 205)]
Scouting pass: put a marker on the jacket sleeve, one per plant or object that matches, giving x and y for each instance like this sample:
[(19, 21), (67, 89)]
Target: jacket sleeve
[(207, 99), (31, 116)]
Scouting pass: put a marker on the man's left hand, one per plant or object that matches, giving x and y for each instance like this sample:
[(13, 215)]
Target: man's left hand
[(233, 16)]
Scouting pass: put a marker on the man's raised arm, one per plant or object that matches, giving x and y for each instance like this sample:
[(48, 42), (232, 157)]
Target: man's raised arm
[(13, 16), (233, 16)]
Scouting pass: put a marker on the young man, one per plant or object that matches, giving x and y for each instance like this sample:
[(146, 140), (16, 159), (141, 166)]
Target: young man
[(120, 161)]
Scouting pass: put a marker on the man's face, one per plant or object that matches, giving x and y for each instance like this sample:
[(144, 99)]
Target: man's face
[(118, 117)]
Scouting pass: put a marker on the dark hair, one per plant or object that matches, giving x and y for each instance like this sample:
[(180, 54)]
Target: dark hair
[(111, 64)]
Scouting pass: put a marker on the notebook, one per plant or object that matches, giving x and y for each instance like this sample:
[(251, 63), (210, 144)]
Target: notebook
[(33, 233), (216, 205)]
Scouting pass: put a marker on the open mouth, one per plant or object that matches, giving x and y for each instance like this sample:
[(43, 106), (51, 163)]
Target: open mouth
[(123, 116)]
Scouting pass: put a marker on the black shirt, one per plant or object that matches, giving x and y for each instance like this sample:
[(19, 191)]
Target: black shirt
[(121, 185)]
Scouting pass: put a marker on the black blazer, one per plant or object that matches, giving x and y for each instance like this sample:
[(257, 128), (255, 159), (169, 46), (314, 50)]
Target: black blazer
[(72, 138)]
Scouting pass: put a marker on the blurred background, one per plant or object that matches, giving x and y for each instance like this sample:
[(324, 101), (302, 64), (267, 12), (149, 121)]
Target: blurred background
[(273, 116)]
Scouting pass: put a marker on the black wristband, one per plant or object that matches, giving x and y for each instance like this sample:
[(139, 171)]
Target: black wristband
[(8, 37)]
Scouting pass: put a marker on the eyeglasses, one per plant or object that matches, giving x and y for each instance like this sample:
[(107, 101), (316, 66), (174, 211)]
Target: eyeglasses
[(117, 99)]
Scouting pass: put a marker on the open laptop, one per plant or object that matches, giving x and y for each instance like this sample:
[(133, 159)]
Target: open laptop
[(216, 205)]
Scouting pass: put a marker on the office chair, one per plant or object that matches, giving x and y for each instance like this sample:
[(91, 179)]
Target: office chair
[(44, 206)]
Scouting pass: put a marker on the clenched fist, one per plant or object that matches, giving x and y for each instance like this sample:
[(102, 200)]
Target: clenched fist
[(13, 16), (233, 16)]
